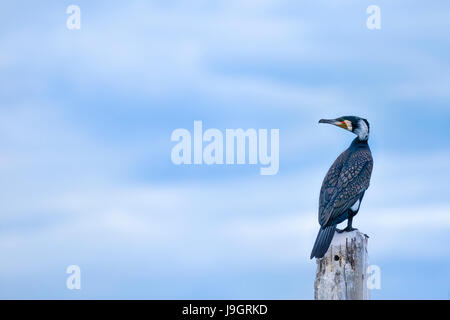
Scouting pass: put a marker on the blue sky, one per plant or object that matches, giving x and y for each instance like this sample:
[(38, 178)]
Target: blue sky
[(85, 124)]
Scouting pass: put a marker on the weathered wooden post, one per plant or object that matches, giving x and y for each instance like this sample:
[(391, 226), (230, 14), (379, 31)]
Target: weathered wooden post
[(341, 273)]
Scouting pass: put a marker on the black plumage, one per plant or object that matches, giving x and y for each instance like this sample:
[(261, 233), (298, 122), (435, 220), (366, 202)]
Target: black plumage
[(344, 184)]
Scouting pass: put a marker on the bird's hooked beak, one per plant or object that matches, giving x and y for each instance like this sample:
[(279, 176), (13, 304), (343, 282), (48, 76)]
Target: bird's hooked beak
[(344, 124)]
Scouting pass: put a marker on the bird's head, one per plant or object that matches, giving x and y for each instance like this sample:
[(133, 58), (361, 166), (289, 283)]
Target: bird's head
[(357, 125)]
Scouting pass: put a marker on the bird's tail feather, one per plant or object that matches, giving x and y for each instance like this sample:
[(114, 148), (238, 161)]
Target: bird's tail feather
[(323, 241)]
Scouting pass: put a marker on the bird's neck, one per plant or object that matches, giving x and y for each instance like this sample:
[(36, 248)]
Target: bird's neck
[(364, 138), (357, 141)]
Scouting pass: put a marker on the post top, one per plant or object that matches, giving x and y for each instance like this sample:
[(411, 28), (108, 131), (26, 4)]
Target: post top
[(345, 237)]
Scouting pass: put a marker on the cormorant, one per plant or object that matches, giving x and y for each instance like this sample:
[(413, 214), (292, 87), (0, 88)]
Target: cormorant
[(345, 183)]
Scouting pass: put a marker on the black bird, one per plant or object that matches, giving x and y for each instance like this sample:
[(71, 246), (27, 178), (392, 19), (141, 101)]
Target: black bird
[(345, 183)]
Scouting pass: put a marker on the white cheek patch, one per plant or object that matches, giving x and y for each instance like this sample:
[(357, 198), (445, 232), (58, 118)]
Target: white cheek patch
[(362, 131), (348, 124)]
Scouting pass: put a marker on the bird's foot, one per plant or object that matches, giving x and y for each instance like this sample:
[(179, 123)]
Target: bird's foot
[(348, 229)]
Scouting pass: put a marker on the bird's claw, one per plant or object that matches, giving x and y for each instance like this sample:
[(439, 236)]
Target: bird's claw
[(348, 229)]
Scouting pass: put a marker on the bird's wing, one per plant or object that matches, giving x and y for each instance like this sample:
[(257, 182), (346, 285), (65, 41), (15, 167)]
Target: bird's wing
[(330, 183), (353, 179)]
